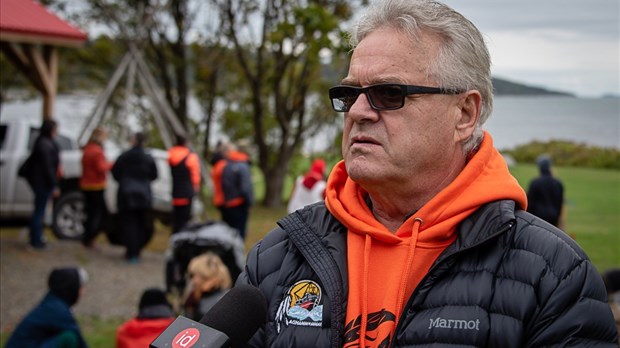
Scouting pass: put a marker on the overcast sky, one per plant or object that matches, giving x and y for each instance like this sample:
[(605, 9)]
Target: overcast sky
[(568, 45)]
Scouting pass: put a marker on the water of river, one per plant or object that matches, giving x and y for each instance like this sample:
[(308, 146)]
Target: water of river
[(515, 120)]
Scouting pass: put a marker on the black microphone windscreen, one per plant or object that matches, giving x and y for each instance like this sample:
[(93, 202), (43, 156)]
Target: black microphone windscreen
[(238, 314)]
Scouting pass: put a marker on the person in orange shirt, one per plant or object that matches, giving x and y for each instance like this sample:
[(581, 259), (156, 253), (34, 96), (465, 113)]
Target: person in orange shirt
[(424, 239), (154, 315), (95, 168), (185, 169)]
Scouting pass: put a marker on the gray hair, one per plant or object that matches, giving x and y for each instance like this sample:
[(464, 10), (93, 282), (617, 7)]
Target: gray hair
[(463, 61)]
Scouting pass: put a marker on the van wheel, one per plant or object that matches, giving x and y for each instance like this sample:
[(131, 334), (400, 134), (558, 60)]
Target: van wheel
[(69, 216)]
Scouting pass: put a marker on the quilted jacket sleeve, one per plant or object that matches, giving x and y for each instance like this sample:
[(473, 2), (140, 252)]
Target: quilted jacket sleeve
[(572, 302)]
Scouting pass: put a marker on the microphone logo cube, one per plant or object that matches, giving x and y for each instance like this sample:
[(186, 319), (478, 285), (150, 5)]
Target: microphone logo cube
[(186, 338), (186, 333)]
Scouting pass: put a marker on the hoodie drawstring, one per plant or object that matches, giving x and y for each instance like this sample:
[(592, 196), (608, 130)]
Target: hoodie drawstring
[(415, 229), (367, 247)]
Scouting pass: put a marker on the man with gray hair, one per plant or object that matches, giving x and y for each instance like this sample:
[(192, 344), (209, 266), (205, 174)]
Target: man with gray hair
[(423, 239)]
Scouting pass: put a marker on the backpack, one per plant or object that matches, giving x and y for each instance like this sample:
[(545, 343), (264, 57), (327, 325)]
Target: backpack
[(26, 169)]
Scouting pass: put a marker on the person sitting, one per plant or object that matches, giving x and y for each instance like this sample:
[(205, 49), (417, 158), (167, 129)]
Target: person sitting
[(209, 280), (154, 315), (51, 322)]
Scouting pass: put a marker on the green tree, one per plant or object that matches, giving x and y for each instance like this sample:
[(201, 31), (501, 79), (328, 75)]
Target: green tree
[(279, 46)]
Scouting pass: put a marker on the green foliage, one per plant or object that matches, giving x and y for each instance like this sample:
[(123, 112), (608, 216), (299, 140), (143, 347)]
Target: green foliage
[(89, 67), (283, 83), (566, 153)]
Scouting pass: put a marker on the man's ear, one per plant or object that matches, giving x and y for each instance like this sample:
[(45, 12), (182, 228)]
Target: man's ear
[(469, 105)]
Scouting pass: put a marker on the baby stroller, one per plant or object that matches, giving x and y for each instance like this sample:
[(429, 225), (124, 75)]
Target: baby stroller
[(195, 239)]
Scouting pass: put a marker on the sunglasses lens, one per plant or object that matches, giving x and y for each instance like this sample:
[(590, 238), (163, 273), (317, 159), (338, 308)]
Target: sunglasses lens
[(343, 97), (387, 97)]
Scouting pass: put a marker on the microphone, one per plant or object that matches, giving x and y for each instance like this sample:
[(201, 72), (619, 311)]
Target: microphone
[(231, 322)]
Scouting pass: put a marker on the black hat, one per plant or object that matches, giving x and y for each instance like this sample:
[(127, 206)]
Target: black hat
[(65, 283), (153, 297), (154, 304)]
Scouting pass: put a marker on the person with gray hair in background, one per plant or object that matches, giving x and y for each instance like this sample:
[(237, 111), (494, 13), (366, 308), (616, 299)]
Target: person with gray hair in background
[(423, 239), (51, 323)]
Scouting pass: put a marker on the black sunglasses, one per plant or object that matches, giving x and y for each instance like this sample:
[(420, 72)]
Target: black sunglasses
[(385, 96)]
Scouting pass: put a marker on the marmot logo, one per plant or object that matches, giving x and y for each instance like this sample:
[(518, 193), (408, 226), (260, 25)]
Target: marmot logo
[(455, 324)]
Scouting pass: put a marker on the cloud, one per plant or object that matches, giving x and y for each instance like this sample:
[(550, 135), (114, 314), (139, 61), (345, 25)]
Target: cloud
[(572, 45)]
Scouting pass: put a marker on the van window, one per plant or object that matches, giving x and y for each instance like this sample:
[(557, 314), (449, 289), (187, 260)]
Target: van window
[(64, 143), (34, 133)]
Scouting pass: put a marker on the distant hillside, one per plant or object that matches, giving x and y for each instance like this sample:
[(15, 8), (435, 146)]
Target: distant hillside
[(505, 87)]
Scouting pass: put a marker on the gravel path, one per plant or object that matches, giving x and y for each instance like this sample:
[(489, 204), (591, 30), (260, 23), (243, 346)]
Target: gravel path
[(113, 290)]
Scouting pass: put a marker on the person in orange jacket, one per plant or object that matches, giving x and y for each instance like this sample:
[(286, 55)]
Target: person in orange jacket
[(185, 170), (95, 168), (233, 192), (154, 315)]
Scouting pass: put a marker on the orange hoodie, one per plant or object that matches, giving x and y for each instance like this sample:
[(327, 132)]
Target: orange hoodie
[(384, 268)]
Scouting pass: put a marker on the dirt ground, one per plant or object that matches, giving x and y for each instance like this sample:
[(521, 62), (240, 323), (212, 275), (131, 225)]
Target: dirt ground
[(113, 289)]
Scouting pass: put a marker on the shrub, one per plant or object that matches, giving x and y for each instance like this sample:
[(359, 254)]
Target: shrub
[(566, 153)]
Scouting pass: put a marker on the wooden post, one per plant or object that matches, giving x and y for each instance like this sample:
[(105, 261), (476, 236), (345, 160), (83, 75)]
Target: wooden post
[(50, 56)]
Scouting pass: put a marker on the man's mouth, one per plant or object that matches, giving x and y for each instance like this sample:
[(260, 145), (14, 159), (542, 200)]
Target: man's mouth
[(364, 140)]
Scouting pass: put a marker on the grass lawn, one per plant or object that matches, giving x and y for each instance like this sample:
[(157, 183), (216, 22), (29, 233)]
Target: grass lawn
[(592, 209)]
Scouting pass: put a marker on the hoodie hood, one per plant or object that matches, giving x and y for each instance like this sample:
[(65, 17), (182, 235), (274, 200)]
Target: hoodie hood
[(65, 283), (385, 267), (237, 156), (176, 154), (484, 179), (544, 164), (314, 174)]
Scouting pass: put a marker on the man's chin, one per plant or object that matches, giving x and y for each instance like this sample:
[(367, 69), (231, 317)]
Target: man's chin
[(360, 169)]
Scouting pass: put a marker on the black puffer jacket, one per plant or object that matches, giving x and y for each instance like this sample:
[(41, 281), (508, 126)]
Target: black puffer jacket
[(509, 280), (134, 170)]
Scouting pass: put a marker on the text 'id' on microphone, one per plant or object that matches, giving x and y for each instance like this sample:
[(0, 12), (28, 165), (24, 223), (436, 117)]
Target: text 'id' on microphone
[(231, 322)]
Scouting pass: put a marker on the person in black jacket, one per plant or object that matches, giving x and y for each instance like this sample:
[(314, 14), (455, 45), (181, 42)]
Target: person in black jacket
[(134, 170), (423, 239), (545, 194), (43, 174)]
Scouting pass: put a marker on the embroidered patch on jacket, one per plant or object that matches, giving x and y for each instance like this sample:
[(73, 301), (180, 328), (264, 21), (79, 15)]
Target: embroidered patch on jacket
[(301, 306)]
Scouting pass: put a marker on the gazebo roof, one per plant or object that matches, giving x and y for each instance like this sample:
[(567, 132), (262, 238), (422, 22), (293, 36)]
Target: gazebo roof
[(27, 21)]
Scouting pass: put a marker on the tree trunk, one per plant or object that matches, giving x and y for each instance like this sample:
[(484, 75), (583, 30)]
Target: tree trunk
[(274, 185)]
